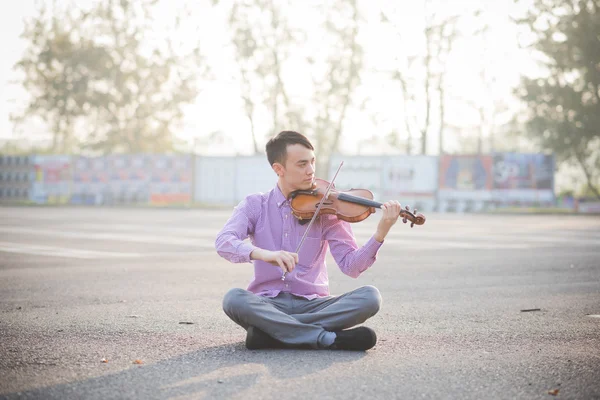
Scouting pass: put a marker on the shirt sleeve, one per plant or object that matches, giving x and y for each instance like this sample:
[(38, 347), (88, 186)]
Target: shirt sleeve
[(230, 241), (351, 259)]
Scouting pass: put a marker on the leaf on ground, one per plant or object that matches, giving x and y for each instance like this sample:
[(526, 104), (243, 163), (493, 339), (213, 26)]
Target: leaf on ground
[(104, 360), (138, 362), (553, 392)]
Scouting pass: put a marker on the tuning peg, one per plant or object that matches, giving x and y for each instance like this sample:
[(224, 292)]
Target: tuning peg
[(404, 220), (412, 224), (407, 208), (415, 211)]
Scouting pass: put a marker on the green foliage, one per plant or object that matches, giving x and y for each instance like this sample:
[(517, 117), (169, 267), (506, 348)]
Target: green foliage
[(99, 81), (564, 105)]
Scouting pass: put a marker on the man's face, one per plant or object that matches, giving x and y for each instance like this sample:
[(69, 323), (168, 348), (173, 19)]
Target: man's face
[(299, 170)]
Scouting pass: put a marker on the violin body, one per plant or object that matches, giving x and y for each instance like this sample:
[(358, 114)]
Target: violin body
[(353, 205), (305, 202)]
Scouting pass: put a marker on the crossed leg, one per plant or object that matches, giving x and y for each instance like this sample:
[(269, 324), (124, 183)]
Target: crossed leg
[(301, 322)]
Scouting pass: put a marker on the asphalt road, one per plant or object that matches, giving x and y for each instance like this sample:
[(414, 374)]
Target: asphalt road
[(83, 285)]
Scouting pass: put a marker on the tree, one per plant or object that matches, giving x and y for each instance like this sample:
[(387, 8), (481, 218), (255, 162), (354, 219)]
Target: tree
[(447, 36), (335, 89), (262, 40), (564, 103), (99, 81), (57, 72), (420, 75)]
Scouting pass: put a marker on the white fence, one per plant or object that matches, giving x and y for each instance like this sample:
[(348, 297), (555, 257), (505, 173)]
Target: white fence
[(227, 180)]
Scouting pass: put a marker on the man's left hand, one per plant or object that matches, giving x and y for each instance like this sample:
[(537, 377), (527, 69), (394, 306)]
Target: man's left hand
[(391, 212)]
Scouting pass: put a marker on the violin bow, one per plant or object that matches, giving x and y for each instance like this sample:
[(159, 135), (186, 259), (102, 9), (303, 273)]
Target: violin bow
[(314, 217)]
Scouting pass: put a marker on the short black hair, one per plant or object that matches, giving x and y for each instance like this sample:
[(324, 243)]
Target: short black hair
[(277, 147)]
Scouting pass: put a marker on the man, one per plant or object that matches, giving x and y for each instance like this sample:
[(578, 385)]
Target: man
[(288, 303)]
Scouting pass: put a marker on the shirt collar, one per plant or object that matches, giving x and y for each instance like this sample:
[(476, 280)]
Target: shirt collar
[(279, 197)]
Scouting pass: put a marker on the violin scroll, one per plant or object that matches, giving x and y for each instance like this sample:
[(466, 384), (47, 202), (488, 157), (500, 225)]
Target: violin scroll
[(413, 217)]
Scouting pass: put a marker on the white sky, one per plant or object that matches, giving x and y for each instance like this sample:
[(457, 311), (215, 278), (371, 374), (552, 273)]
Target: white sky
[(219, 108)]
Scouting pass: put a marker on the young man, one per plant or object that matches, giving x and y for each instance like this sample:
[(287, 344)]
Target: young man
[(295, 309)]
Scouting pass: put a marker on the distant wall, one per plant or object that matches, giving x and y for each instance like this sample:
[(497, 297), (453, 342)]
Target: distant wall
[(410, 179), (447, 183)]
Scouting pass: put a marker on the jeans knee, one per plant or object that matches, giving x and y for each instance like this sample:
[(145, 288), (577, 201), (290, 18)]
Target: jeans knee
[(372, 299)]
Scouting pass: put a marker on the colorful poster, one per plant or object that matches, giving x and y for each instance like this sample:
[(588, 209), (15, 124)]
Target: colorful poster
[(51, 179), (523, 171), (138, 168), (170, 179), (523, 179), (90, 180), (118, 168), (465, 182), (128, 179), (466, 172)]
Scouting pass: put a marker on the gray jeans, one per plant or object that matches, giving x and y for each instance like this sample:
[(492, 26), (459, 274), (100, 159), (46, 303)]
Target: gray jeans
[(297, 321)]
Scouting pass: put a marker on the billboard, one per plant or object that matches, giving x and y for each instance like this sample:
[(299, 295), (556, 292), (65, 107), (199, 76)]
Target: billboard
[(127, 179), (465, 182), (526, 178), (51, 179), (465, 172), (453, 182), (132, 179), (523, 171), (170, 179), (90, 180)]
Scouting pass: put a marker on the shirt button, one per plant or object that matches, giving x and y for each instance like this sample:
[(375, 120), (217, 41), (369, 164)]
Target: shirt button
[(286, 215), (285, 234)]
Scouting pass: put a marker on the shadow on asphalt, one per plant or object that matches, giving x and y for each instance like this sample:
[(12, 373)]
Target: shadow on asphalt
[(214, 372)]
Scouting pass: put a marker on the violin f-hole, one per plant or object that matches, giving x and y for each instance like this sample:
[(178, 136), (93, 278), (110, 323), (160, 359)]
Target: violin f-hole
[(326, 203)]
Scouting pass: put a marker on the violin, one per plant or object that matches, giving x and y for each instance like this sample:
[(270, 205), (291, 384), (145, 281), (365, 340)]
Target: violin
[(352, 205)]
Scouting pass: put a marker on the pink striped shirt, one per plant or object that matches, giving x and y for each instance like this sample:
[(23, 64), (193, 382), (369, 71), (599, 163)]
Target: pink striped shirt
[(268, 221)]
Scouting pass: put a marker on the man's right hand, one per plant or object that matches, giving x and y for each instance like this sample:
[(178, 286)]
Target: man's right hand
[(286, 260)]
